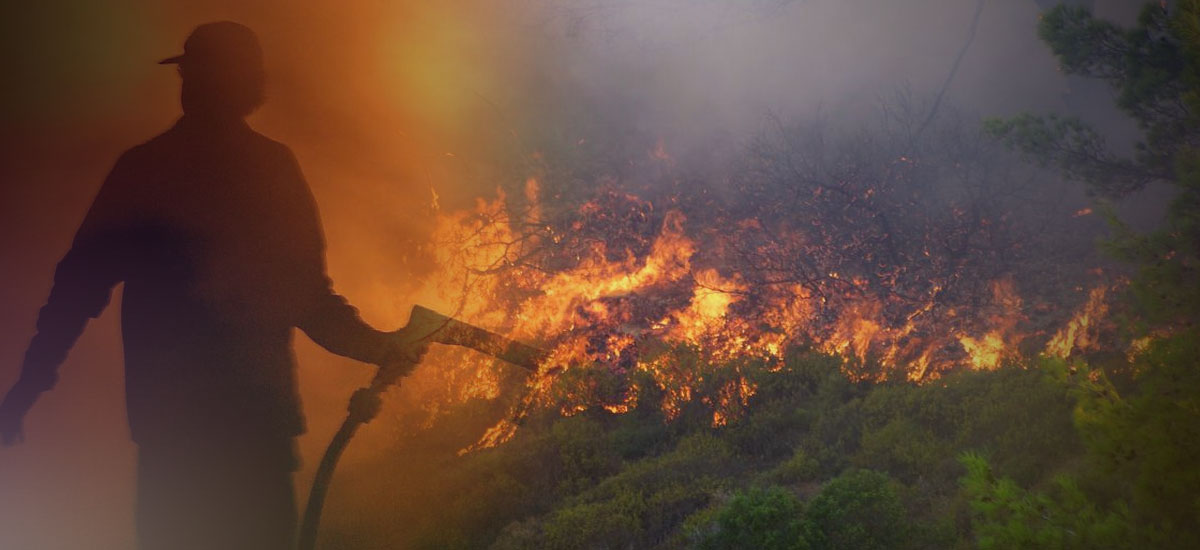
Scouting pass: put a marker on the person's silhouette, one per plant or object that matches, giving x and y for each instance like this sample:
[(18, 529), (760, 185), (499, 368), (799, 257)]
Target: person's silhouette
[(216, 236)]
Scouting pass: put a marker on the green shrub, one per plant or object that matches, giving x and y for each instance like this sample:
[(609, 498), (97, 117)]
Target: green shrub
[(764, 519), (859, 510), (1006, 516)]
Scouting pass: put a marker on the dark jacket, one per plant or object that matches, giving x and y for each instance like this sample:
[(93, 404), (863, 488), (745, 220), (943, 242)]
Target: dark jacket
[(216, 236)]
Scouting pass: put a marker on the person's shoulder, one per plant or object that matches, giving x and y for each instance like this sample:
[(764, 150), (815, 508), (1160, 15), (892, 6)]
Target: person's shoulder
[(147, 149), (133, 163), (279, 158), (271, 146), (138, 154)]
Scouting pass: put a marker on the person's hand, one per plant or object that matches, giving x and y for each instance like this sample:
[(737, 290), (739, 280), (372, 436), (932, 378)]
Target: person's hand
[(407, 346), (405, 351)]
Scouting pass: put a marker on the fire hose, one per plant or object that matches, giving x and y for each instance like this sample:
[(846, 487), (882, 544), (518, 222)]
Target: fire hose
[(424, 325)]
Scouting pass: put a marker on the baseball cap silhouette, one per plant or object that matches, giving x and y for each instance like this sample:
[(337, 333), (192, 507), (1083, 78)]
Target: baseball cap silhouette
[(223, 44)]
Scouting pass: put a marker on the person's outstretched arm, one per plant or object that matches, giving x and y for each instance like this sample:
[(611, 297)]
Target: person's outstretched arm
[(327, 317), (83, 283)]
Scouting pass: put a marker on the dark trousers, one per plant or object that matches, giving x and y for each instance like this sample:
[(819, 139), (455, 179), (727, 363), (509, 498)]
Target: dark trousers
[(210, 495)]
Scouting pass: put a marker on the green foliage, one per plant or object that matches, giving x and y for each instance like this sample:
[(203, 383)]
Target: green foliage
[(802, 376), (903, 447), (1072, 146), (1006, 516), (1147, 66), (640, 433), (859, 510), (612, 523), (1149, 442), (1141, 481), (772, 431), (766, 519), (1155, 69), (578, 482), (583, 455), (800, 468), (1165, 288), (638, 507), (1022, 415), (597, 480)]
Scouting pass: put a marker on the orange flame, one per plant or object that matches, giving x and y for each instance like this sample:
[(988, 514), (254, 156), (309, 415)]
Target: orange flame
[(1080, 332), (598, 310)]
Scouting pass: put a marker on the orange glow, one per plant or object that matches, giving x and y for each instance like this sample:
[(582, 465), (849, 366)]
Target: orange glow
[(985, 353), (988, 351), (599, 313), (855, 331), (1080, 332)]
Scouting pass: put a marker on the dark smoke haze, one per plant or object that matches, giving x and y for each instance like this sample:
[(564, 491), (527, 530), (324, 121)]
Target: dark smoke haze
[(386, 103)]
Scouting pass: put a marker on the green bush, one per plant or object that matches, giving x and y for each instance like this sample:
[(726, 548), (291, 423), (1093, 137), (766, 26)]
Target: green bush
[(801, 467), (1006, 516), (859, 510), (765, 519)]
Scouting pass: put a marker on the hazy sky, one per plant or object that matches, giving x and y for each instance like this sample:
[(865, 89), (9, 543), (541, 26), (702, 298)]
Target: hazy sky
[(383, 101)]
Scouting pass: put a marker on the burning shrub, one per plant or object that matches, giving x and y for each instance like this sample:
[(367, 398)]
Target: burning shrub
[(906, 254)]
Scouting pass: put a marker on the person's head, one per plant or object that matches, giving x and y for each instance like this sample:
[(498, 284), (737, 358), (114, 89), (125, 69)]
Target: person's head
[(222, 70)]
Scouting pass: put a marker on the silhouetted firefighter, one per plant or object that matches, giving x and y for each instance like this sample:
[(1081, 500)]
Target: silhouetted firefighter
[(216, 236)]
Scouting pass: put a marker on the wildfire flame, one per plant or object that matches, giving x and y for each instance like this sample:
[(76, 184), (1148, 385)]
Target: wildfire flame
[(1080, 332), (601, 305)]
